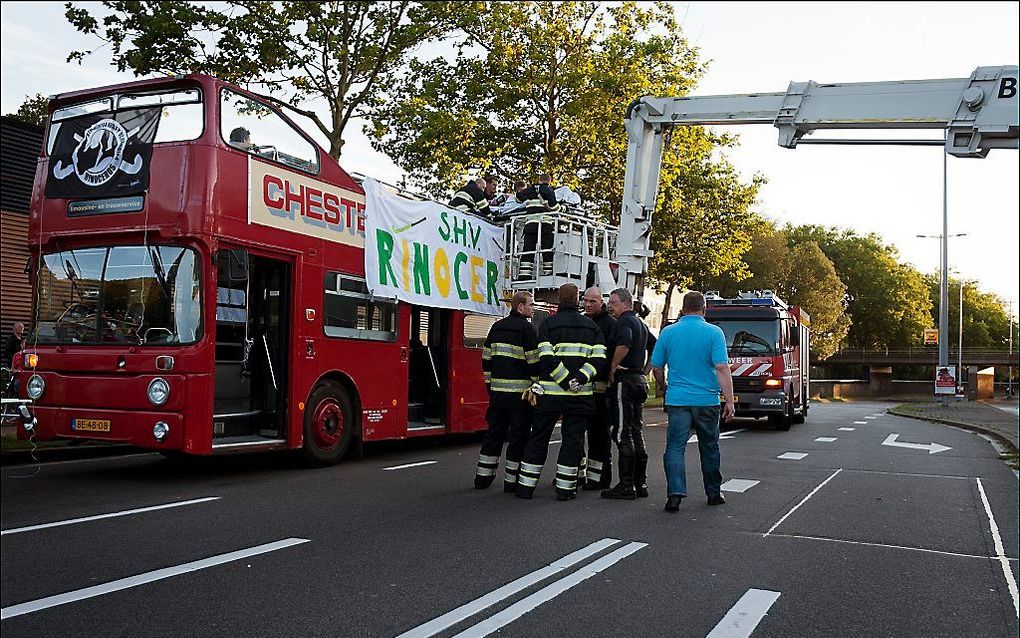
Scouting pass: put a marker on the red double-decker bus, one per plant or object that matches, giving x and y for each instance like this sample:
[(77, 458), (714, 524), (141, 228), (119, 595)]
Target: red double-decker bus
[(198, 266)]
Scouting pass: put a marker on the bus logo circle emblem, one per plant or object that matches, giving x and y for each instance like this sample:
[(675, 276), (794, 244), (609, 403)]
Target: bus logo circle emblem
[(99, 154)]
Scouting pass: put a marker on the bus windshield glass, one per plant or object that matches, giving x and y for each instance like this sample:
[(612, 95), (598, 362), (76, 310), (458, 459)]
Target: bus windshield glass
[(749, 337), (121, 294)]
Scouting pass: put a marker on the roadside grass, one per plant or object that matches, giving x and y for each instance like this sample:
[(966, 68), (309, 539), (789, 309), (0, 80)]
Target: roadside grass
[(1012, 459), (11, 443)]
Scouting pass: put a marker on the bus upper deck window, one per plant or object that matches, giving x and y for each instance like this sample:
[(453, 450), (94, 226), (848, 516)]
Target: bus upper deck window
[(253, 127)]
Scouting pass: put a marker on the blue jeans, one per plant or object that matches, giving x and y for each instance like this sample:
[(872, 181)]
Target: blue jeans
[(705, 420)]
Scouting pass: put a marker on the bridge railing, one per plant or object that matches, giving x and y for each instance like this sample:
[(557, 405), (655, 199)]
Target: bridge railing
[(927, 354)]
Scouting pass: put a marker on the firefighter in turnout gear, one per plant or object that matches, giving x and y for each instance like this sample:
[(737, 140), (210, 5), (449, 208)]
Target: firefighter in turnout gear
[(627, 379), (538, 198), (600, 453), (509, 366), (471, 198), (570, 351)]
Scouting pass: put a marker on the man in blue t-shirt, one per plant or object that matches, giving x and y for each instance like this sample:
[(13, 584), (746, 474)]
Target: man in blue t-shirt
[(695, 353)]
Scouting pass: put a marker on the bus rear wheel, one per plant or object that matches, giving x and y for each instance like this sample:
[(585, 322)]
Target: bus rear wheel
[(328, 424)]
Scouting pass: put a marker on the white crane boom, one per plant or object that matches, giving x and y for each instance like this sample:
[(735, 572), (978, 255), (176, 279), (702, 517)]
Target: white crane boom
[(978, 114)]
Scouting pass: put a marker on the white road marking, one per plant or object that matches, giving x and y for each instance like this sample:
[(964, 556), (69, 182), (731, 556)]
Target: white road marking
[(744, 616), (871, 417), (792, 456), (1007, 569), (906, 547), (407, 465), (847, 429), (451, 618), (723, 436), (805, 499), (932, 448), (738, 485), (947, 476), (97, 517), (556, 441), (547, 593), (860, 422), (825, 439), (142, 579)]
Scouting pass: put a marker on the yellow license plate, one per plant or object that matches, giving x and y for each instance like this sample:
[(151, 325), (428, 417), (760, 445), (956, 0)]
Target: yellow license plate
[(722, 399), (90, 425)]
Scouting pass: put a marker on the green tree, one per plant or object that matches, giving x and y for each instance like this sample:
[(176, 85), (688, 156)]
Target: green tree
[(342, 53), (33, 110), (536, 87), (985, 320), (888, 301)]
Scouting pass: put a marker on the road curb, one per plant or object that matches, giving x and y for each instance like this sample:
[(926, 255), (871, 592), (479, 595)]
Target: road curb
[(960, 424), (69, 453)]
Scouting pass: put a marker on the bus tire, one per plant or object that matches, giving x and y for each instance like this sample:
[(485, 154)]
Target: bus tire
[(328, 424)]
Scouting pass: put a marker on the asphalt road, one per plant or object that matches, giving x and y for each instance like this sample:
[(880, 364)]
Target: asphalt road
[(855, 538)]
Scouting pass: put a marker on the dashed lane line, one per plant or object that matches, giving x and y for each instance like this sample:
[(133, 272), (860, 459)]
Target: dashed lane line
[(85, 519), (463, 612), (547, 593), (826, 439), (745, 615), (792, 456), (847, 429), (142, 579), (407, 465), (738, 486)]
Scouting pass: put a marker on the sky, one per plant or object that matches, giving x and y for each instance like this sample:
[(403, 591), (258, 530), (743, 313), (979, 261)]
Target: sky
[(895, 192)]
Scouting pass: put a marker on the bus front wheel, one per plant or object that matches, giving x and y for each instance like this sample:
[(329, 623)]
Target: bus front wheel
[(328, 424)]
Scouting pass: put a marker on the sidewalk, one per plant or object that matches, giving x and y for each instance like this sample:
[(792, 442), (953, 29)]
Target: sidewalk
[(999, 420)]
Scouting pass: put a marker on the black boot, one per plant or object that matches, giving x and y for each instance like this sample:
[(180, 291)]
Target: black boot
[(640, 472), (621, 492), (673, 503), (482, 482)]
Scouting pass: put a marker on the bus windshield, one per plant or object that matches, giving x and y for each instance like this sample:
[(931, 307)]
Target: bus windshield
[(119, 294), (749, 337)]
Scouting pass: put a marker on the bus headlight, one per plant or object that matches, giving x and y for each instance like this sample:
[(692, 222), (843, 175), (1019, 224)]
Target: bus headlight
[(159, 391), (160, 430), (35, 386)]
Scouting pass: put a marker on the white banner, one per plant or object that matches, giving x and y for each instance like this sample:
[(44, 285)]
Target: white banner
[(428, 254)]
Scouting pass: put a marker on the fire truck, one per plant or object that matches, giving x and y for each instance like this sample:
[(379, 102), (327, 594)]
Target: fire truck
[(768, 343)]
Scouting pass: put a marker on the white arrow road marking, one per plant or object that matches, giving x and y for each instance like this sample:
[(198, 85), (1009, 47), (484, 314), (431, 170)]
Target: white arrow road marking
[(792, 456), (84, 519), (744, 616), (933, 448), (142, 579), (738, 485), (732, 434)]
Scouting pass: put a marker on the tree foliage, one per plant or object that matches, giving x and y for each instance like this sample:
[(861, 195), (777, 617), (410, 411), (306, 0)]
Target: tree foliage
[(985, 320), (344, 53), (888, 301), (33, 110)]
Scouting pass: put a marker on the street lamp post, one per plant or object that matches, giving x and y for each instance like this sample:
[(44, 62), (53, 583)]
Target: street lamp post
[(1009, 381), (959, 347), (944, 283)]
